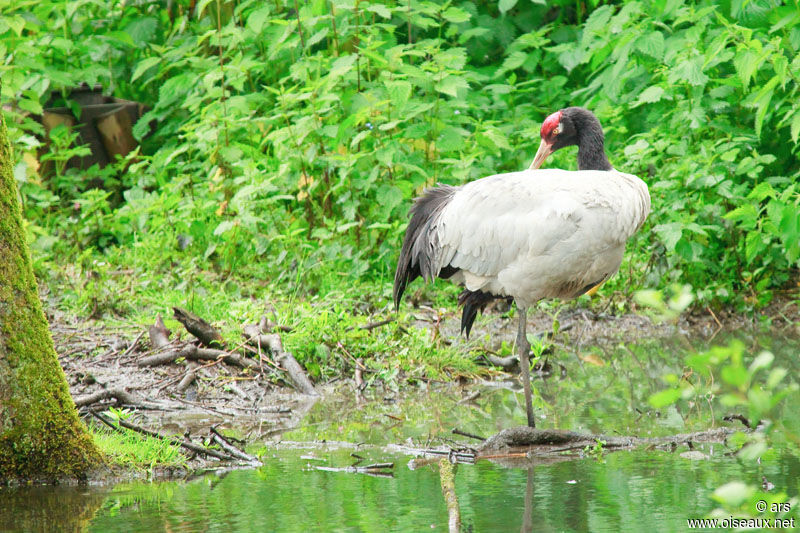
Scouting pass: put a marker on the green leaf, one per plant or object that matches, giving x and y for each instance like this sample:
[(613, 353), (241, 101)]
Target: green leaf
[(670, 233), (175, 88), (761, 191), (224, 226), (451, 84), (455, 15), (650, 95), (596, 22), (795, 127), (746, 63), (664, 398), (16, 23), (342, 66), (733, 494), (30, 105), (506, 5), (734, 375), (451, 139), (317, 37), (258, 19), (380, 10), (753, 245), (470, 33), (495, 137), (142, 29), (746, 214), (775, 377), (514, 60), (651, 44), (762, 360), (143, 65), (399, 92), (649, 298), (689, 71)]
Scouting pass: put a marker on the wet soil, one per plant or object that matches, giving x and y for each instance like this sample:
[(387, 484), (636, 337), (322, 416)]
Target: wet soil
[(259, 405)]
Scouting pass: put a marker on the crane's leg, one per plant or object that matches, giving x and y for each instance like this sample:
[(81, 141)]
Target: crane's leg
[(524, 364)]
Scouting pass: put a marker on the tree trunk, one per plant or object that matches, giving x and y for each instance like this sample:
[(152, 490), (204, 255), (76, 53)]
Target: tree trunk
[(41, 436)]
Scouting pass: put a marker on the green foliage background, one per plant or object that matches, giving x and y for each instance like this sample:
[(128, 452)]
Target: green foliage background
[(286, 139)]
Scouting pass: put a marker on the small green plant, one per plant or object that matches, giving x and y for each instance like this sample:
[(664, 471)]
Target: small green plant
[(665, 308), (595, 451), (743, 501)]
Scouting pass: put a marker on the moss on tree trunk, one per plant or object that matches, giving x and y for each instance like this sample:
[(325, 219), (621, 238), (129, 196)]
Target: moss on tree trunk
[(41, 436)]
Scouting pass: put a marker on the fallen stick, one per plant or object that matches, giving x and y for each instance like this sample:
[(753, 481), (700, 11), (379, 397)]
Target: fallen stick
[(372, 325), (120, 395), (172, 440), (523, 436), (132, 347), (509, 364), (207, 334), (210, 354), (470, 398), (188, 379), (377, 469), (457, 431), (233, 450), (169, 355), (447, 476), (272, 342)]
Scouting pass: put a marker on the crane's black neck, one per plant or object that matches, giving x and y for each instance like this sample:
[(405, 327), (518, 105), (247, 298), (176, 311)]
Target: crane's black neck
[(590, 139)]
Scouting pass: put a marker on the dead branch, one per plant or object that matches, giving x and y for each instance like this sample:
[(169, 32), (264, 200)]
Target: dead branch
[(120, 395), (231, 449), (207, 334), (509, 364), (179, 350), (273, 343), (447, 475), (188, 379), (172, 440), (132, 346), (210, 354), (376, 470), (554, 440), (472, 397), (372, 325), (457, 431)]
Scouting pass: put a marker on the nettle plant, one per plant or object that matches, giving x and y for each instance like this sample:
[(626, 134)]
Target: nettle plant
[(299, 132), (721, 378), (710, 94)]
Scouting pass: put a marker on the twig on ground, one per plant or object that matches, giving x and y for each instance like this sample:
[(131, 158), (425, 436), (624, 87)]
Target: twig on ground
[(172, 440), (457, 431), (231, 449), (189, 377), (120, 395), (272, 342)]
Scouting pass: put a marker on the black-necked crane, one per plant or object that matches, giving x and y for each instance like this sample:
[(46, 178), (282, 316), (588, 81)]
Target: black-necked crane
[(527, 235)]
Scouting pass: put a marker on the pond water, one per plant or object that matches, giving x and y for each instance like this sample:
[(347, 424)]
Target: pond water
[(607, 393)]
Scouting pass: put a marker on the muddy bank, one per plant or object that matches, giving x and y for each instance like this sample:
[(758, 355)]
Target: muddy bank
[(259, 401)]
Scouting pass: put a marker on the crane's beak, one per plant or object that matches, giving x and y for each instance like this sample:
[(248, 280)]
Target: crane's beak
[(544, 150)]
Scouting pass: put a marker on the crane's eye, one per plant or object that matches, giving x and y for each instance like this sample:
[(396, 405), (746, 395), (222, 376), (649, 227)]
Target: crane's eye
[(556, 131)]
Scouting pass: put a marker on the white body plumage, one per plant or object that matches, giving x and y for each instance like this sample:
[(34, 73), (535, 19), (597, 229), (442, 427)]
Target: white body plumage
[(534, 234)]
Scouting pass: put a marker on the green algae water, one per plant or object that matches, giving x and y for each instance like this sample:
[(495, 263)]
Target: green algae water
[(639, 490)]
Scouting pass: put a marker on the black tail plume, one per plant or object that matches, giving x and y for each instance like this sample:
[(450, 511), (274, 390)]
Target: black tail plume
[(417, 256), (472, 301)]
